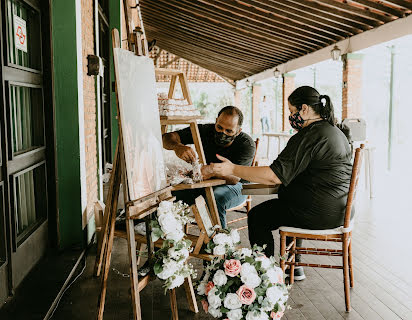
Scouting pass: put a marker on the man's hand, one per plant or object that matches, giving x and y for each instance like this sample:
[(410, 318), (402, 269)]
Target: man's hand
[(185, 153), (223, 169)]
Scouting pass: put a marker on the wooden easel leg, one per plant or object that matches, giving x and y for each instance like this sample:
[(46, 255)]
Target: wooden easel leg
[(112, 196), (173, 304), (106, 265), (191, 296), (211, 202), (134, 281)]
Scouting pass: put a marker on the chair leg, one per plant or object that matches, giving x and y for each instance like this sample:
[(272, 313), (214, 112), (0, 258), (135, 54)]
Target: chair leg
[(346, 281), (292, 266), (350, 263), (248, 204), (282, 251)]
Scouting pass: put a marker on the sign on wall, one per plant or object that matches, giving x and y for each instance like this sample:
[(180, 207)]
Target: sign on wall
[(20, 33)]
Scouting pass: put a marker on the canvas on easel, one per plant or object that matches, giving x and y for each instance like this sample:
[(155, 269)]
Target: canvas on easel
[(142, 141)]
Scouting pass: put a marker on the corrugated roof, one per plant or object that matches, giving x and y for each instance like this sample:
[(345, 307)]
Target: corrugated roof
[(239, 38)]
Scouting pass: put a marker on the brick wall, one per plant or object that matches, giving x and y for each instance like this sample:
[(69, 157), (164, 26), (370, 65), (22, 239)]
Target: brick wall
[(287, 88), (352, 86), (89, 96), (256, 98)]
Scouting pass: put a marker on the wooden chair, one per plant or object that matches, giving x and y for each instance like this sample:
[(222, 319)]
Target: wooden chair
[(248, 202), (341, 234)]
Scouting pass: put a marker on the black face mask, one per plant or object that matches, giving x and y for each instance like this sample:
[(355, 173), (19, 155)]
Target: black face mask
[(222, 139)]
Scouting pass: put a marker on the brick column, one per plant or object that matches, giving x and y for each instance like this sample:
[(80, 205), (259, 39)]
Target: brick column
[(287, 88), (352, 85), (256, 93)]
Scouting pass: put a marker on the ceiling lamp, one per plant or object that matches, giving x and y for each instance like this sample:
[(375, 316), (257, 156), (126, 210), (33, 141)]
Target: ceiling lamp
[(247, 83), (335, 53), (276, 73)]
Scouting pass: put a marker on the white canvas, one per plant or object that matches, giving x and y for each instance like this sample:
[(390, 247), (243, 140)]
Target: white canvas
[(139, 113)]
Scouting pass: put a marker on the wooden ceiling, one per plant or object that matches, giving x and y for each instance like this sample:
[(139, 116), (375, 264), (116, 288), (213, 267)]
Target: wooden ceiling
[(239, 38)]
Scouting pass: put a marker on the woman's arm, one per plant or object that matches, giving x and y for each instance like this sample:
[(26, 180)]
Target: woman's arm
[(263, 175)]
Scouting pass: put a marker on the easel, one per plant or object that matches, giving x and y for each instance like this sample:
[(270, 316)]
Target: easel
[(192, 122), (135, 209)]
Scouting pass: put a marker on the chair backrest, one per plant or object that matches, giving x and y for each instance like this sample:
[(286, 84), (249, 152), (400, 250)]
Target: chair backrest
[(254, 161), (357, 163), (357, 128)]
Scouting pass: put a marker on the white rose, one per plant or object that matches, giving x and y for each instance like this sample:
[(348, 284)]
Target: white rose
[(168, 223), (213, 299), (232, 301), (245, 252), (169, 269), (177, 254), (274, 294), (234, 235), (219, 250), (215, 312), (256, 315), (176, 235), (165, 206), (275, 274), (234, 314), (219, 278), (247, 268), (222, 239), (265, 262), (201, 288), (251, 280), (266, 305), (177, 282)]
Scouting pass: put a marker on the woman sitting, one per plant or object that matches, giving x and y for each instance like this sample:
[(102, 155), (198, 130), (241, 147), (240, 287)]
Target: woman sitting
[(314, 171)]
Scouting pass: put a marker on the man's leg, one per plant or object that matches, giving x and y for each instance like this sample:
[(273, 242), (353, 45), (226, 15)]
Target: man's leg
[(227, 196)]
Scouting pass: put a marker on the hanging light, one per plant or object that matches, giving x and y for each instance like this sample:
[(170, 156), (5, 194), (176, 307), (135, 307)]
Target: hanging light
[(247, 83), (276, 73), (335, 53)]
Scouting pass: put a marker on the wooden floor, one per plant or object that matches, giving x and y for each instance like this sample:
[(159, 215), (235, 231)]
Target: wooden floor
[(383, 279), (382, 264)]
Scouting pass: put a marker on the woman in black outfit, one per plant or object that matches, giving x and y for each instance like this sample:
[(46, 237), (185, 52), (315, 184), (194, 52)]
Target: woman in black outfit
[(314, 171)]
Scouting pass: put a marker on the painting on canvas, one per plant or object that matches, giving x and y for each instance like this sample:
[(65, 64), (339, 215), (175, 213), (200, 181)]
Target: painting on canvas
[(139, 113)]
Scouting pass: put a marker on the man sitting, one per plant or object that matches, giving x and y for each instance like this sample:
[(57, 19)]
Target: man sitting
[(225, 138)]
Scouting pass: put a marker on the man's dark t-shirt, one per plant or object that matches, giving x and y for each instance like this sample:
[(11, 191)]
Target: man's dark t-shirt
[(315, 169), (241, 151)]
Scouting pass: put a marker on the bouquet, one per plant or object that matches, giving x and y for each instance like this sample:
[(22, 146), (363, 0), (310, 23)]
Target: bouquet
[(244, 284), (170, 261)]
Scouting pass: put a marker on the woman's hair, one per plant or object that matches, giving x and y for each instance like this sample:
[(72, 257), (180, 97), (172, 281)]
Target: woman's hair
[(321, 104)]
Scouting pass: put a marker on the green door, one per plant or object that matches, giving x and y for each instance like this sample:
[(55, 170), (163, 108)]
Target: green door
[(24, 183)]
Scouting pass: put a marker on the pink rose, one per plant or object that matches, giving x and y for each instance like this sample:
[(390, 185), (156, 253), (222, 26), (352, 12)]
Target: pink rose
[(205, 306), (232, 267), (209, 286), (246, 295), (276, 315)]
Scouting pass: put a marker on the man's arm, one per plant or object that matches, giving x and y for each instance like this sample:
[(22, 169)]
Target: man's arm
[(208, 173), (171, 141)]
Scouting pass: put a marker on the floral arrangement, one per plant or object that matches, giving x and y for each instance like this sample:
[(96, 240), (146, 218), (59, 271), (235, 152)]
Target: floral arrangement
[(170, 261), (244, 284)]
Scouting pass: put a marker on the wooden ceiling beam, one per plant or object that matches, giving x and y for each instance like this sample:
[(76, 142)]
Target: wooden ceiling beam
[(234, 48), (358, 26), (355, 10), (380, 7), (336, 12), (303, 18), (246, 32), (245, 9), (186, 22), (206, 54), (295, 36), (212, 50), (400, 3)]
